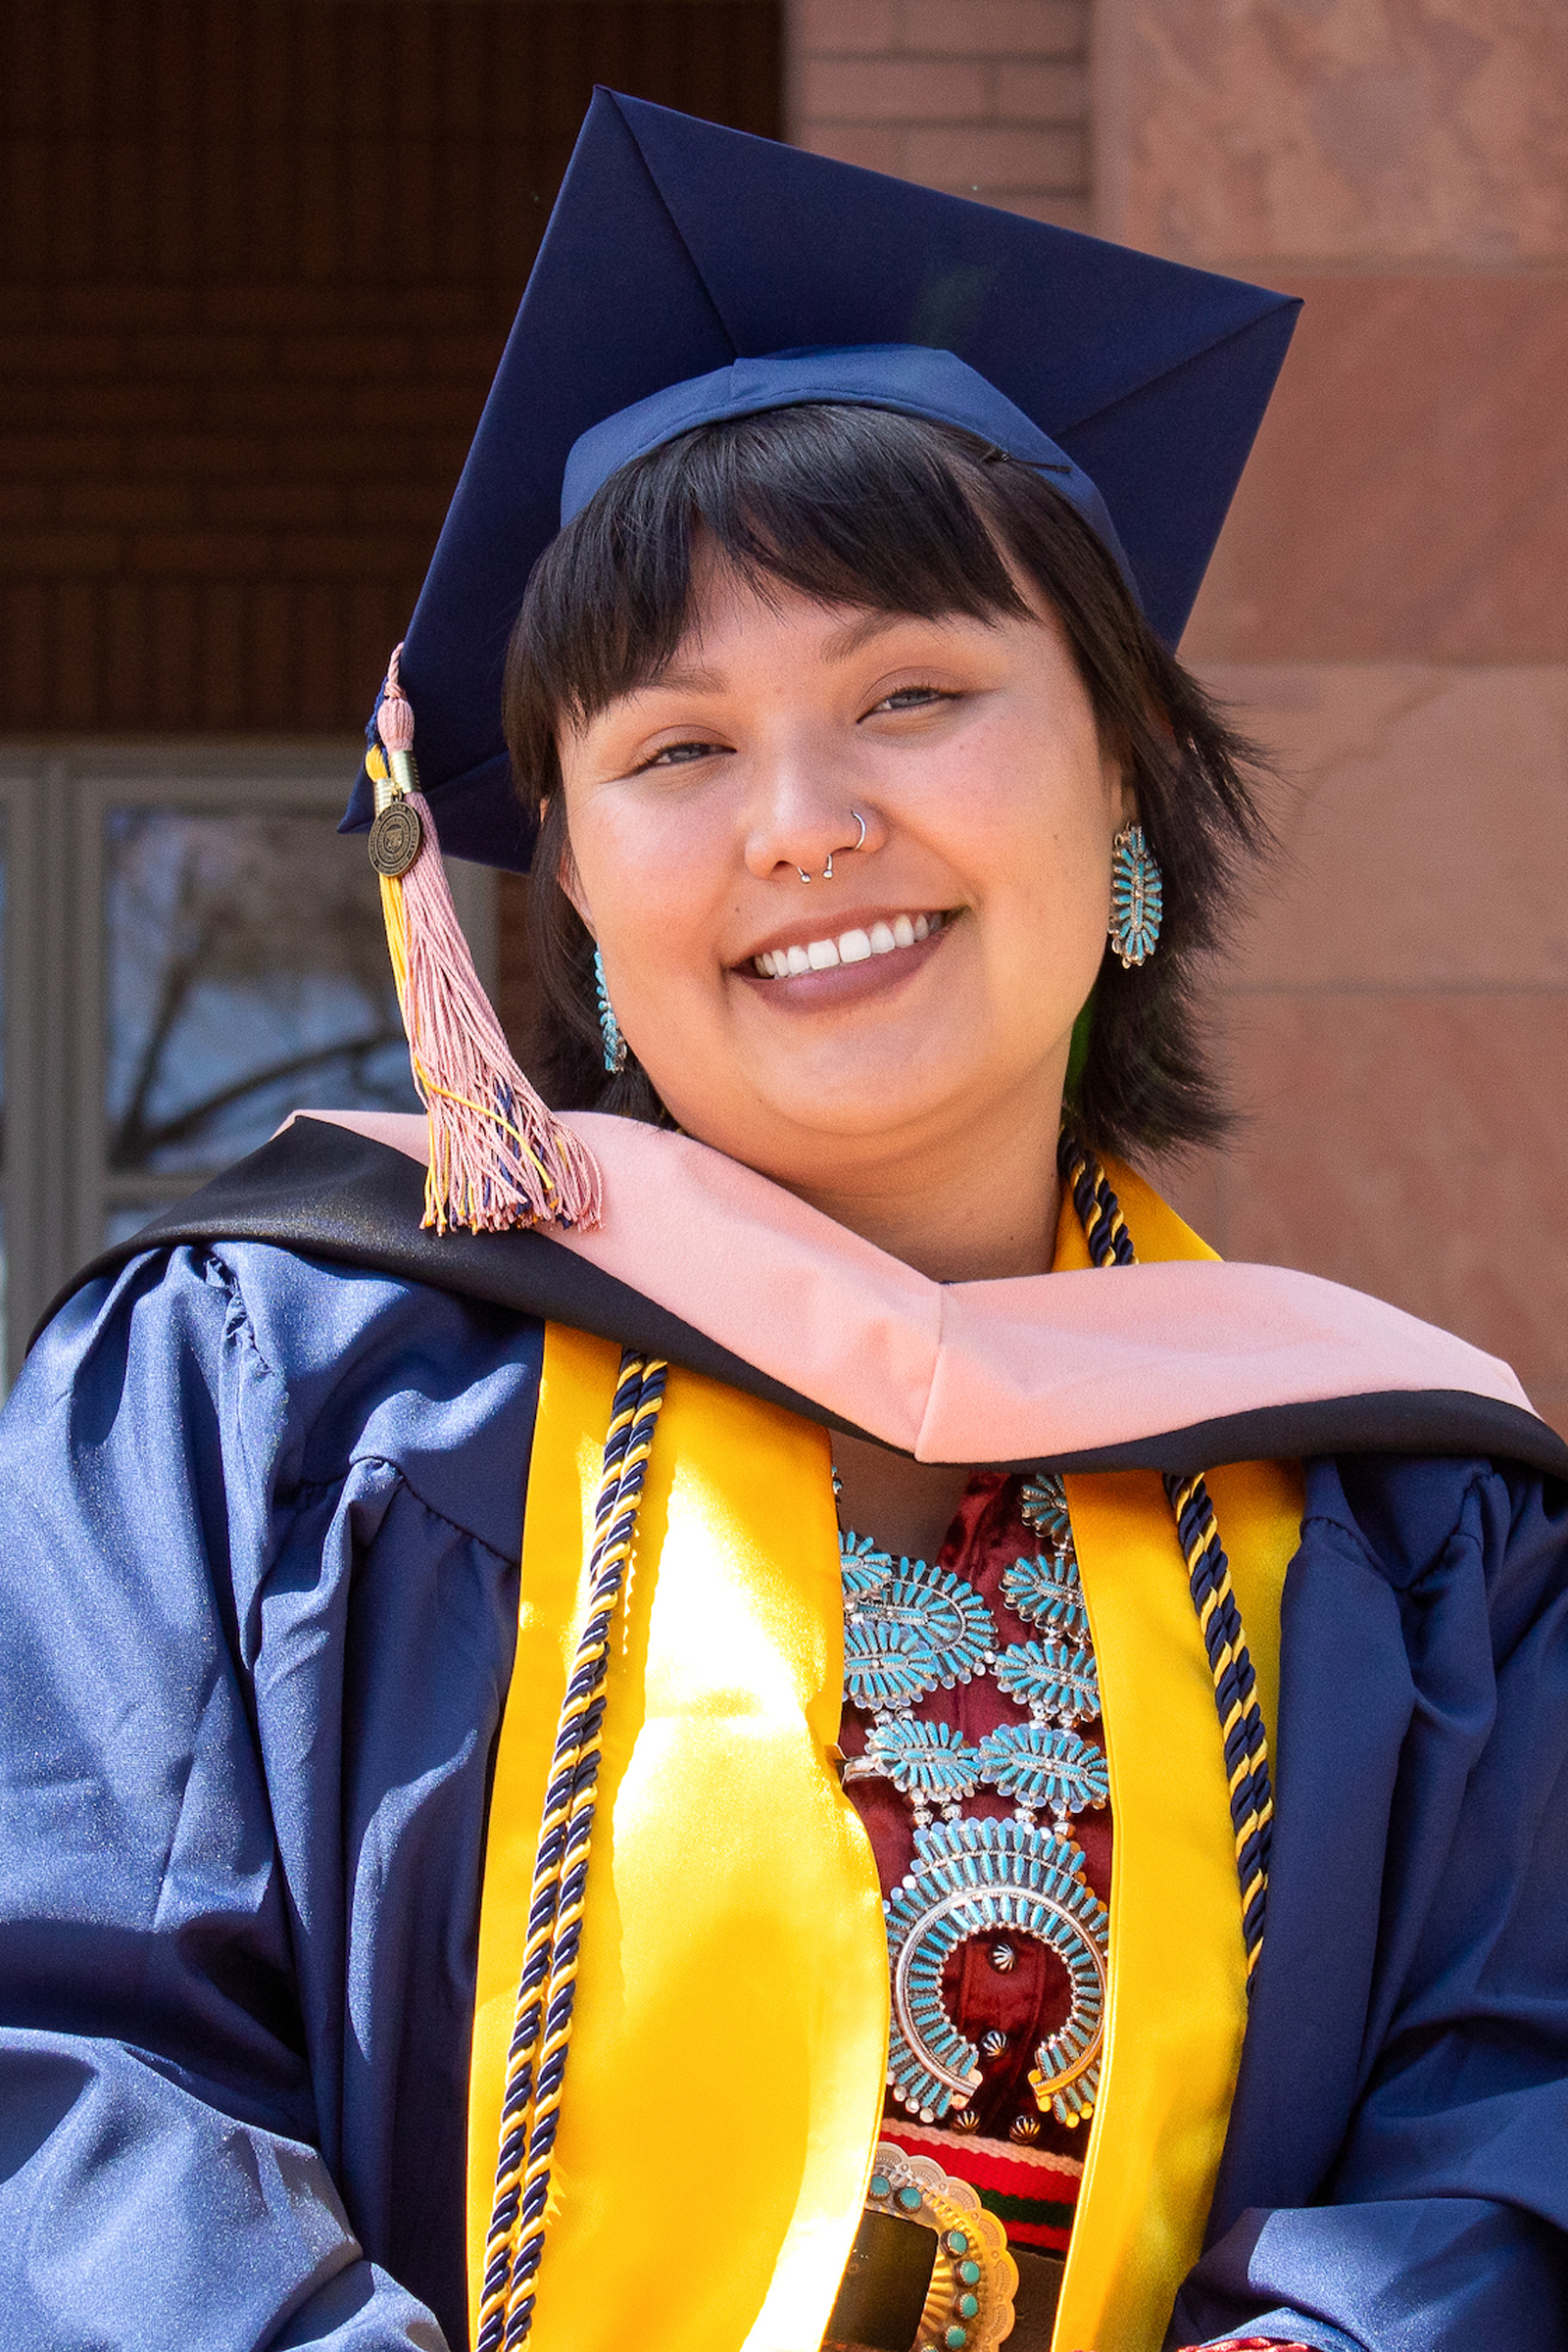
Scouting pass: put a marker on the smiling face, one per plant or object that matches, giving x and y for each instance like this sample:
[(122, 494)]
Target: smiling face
[(915, 1010)]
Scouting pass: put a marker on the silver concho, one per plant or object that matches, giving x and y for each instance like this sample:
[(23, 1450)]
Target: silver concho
[(396, 838)]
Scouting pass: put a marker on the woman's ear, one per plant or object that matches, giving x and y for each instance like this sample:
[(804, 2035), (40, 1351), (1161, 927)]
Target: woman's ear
[(554, 843), (571, 883), (1121, 798)]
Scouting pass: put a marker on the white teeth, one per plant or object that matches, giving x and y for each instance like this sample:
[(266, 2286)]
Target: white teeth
[(850, 947)]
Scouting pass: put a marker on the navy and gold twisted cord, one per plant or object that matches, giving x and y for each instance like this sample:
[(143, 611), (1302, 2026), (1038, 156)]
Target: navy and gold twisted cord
[(1241, 1718), (536, 2058)]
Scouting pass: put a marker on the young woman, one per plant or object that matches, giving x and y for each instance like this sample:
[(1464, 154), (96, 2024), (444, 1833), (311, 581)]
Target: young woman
[(861, 1745)]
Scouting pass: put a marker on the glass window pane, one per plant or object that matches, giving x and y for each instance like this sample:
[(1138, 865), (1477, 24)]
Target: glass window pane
[(247, 977)]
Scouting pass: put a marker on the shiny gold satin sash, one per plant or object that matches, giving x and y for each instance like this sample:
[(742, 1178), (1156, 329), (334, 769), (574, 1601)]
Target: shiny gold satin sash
[(726, 2067), (729, 2046)]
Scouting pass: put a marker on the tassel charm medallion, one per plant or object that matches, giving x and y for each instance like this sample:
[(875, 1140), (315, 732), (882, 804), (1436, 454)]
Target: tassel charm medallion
[(396, 837)]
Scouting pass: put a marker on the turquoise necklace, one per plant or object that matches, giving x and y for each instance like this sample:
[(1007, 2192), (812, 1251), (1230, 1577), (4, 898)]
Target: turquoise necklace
[(910, 1629)]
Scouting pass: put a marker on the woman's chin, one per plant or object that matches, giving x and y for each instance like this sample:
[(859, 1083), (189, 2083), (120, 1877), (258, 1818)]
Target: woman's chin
[(835, 1130)]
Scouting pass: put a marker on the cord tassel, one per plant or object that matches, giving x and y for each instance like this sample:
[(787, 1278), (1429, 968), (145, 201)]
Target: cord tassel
[(499, 1156)]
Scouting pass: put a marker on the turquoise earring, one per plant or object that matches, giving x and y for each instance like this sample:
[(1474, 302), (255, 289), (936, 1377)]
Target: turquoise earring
[(609, 1026), (1137, 898)]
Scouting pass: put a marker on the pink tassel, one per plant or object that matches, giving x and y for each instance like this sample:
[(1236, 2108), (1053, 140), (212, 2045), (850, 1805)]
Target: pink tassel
[(499, 1156)]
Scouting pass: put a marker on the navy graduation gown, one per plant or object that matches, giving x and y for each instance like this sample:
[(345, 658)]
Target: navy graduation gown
[(260, 1558), (261, 1518)]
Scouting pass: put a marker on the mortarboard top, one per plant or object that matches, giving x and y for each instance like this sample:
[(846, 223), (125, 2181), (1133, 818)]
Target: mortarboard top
[(676, 248)]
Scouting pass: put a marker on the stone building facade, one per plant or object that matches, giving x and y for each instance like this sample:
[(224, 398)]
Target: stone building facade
[(1389, 607)]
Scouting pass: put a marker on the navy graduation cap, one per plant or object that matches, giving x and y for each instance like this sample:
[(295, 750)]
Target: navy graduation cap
[(679, 256)]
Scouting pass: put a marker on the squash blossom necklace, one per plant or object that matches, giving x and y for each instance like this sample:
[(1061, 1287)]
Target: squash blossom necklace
[(910, 1629)]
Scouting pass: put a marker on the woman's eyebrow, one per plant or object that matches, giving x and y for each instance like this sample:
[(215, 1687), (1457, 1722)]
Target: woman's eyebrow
[(857, 634), (683, 680), (841, 645)]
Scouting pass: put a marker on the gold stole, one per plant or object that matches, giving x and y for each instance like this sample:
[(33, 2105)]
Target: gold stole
[(729, 2045), (727, 2058)]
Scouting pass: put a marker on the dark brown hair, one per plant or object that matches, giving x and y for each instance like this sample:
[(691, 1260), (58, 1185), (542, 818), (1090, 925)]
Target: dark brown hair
[(867, 506)]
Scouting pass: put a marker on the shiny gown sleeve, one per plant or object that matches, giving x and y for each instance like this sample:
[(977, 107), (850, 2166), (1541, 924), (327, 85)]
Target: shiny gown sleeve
[(259, 1529), (1396, 2174)]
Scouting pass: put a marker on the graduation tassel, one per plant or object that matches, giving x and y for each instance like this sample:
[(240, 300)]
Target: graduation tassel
[(499, 1156)]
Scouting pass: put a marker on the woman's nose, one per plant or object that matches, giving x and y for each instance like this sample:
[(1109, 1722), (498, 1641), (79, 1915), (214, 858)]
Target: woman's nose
[(812, 837)]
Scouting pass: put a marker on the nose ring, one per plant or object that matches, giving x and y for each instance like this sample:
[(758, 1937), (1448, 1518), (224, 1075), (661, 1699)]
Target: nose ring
[(842, 850)]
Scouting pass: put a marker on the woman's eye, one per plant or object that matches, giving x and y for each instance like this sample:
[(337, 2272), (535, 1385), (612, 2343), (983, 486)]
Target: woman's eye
[(912, 698), (677, 755)]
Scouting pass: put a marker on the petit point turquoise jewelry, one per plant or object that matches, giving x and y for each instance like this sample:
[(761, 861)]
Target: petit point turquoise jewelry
[(1137, 898), (609, 1026), (969, 1877), (910, 1629)]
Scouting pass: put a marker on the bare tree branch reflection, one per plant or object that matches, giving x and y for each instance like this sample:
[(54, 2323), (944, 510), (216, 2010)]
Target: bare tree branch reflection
[(246, 958)]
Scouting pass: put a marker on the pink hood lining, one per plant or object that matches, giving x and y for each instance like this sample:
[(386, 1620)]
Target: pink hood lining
[(1053, 1364)]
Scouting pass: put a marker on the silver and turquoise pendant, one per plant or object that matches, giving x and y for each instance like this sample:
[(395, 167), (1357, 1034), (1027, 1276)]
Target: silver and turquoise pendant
[(990, 1878), (909, 1630)]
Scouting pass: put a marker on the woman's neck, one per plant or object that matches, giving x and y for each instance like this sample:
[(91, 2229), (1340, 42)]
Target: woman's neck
[(978, 1208), (905, 1507), (982, 1208)]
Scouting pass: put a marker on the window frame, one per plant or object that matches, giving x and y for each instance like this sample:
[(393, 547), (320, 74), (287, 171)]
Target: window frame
[(57, 1191)]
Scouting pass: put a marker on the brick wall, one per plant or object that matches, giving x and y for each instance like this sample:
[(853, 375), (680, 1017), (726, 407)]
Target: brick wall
[(986, 98), (257, 260)]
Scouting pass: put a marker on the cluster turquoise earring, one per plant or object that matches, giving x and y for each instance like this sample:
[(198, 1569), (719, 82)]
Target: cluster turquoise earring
[(608, 1027), (1137, 898)]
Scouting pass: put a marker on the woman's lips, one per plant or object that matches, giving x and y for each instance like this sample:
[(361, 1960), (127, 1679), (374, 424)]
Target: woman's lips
[(848, 982), (857, 943)]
